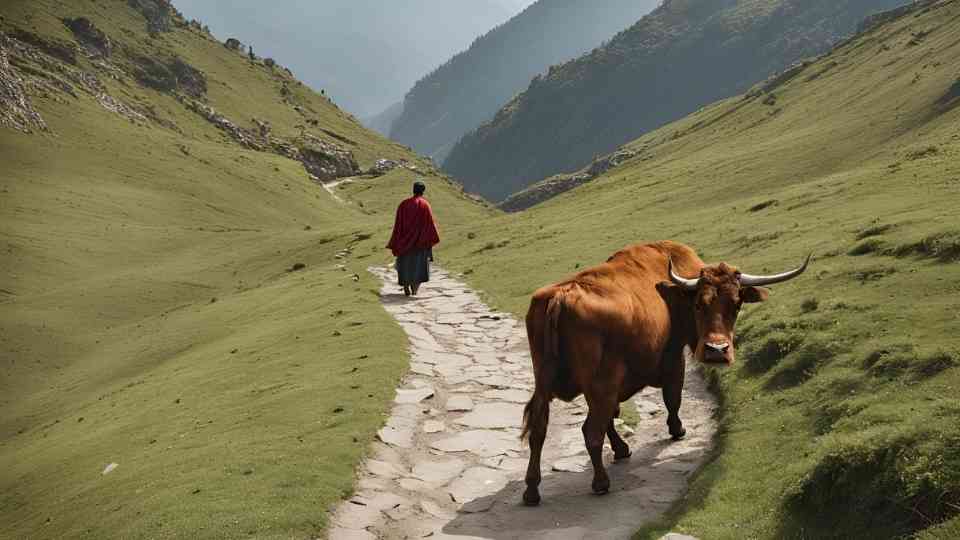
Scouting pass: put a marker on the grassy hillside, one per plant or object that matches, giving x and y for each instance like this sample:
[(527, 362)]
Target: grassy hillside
[(685, 54), (841, 418), (469, 88), (150, 315)]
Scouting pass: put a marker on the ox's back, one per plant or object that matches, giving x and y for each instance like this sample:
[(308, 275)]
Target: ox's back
[(620, 295)]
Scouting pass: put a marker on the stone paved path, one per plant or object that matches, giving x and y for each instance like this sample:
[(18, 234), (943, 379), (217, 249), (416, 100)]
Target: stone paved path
[(449, 463)]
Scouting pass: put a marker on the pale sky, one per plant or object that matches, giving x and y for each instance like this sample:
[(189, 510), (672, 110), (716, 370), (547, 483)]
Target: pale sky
[(366, 54)]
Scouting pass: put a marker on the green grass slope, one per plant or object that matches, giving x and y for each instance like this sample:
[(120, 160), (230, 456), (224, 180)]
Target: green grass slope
[(149, 314), (841, 418), (683, 55)]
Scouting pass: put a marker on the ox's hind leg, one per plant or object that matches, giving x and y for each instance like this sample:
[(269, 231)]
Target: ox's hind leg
[(538, 416), (620, 448), (595, 429)]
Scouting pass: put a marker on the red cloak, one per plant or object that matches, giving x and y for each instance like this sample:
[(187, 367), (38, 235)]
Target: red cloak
[(414, 227)]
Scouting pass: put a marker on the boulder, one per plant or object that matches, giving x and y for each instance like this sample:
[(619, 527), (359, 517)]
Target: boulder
[(234, 44), (96, 43)]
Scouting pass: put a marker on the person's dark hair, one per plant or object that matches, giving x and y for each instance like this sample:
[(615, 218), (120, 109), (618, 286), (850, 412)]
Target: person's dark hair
[(419, 188)]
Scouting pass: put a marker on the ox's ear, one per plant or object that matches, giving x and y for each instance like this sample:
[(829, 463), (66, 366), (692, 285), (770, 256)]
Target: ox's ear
[(752, 295), (670, 291)]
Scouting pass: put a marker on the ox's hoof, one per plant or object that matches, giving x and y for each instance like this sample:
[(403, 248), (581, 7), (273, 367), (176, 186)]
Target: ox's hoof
[(679, 434), (620, 455), (531, 497)]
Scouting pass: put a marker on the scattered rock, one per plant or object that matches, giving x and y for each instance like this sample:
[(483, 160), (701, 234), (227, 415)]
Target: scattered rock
[(16, 109), (297, 267), (110, 468), (383, 166)]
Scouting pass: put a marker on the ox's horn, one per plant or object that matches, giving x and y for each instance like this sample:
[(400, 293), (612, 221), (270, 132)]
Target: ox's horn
[(746, 280), (688, 284)]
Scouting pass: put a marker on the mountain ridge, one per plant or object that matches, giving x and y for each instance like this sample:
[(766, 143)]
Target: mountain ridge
[(648, 75), (467, 89)]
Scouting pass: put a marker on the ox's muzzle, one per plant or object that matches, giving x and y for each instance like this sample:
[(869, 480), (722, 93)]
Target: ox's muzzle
[(718, 352)]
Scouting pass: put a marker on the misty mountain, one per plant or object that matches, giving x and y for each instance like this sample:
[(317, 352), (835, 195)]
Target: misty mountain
[(684, 55), (468, 89), (364, 53), (381, 123)]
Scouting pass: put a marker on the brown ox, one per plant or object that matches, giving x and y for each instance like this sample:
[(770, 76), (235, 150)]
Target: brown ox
[(615, 328)]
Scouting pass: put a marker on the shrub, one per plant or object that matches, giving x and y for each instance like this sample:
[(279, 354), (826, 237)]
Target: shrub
[(809, 305), (866, 247)]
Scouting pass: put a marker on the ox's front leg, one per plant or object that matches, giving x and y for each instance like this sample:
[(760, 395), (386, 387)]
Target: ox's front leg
[(672, 395)]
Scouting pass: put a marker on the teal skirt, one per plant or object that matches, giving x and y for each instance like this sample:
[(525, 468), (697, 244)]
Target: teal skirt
[(414, 267)]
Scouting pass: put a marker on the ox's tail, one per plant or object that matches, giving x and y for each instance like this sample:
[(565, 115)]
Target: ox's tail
[(545, 352)]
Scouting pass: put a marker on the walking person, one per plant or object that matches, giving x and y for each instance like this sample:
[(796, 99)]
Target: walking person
[(414, 235)]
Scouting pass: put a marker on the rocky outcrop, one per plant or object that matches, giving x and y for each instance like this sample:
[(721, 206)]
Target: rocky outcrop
[(61, 50), (246, 138), (556, 185), (16, 110), (93, 40), (190, 80), (50, 75), (159, 14), (324, 161), (171, 76)]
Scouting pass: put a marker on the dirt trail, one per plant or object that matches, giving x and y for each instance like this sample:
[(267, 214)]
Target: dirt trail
[(449, 463)]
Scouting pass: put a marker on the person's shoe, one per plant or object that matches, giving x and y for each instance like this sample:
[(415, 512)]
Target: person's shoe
[(415, 289), (406, 290)]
